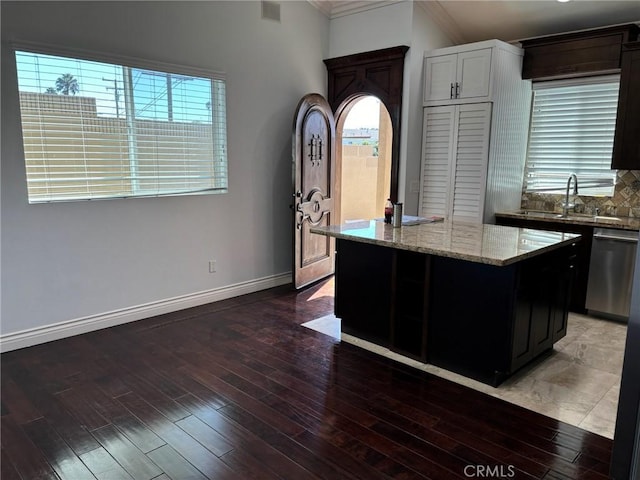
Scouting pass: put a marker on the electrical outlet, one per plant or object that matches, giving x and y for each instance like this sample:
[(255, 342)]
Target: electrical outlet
[(212, 266)]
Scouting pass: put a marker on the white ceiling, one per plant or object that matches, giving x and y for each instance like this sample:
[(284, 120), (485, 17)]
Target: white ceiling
[(474, 20)]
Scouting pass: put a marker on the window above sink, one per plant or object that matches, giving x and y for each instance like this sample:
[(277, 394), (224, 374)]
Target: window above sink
[(571, 131)]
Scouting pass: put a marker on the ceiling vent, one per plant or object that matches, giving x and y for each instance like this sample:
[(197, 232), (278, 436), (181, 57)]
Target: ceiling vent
[(271, 10)]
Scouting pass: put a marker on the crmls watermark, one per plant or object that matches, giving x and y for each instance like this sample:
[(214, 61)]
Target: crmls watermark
[(490, 471)]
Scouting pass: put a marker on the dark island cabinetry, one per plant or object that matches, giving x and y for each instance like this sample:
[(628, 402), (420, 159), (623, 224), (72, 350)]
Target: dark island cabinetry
[(542, 304), (363, 284), (482, 321), (486, 322), (583, 252), (410, 302), (380, 295)]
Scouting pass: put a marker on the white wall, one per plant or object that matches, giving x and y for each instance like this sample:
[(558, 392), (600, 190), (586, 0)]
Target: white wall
[(69, 261), (374, 29), (90, 260), (425, 36)]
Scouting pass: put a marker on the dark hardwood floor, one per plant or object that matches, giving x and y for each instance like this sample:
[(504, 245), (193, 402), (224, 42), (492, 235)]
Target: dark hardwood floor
[(239, 390)]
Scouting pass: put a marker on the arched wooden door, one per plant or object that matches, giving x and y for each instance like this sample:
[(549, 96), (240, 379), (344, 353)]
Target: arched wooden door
[(313, 187), (378, 73)]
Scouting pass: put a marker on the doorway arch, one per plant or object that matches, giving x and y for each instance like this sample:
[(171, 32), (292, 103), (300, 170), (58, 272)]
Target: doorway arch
[(363, 152), (378, 73)]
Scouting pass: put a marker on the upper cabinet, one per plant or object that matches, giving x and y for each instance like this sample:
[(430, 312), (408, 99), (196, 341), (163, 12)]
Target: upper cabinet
[(467, 73), (457, 77), (626, 144), (591, 52)]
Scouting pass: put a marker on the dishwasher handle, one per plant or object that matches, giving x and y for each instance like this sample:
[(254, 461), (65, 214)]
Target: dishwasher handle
[(619, 238)]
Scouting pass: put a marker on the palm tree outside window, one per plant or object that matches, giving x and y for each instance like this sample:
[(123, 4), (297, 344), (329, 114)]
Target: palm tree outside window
[(67, 84)]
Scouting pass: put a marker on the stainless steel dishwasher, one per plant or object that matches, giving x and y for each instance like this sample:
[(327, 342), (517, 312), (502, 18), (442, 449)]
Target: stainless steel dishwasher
[(611, 272)]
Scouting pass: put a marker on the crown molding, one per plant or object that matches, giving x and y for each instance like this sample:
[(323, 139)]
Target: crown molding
[(323, 5), (342, 8), (435, 10), (442, 19)]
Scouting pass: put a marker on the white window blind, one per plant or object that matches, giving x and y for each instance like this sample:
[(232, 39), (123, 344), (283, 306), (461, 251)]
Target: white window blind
[(95, 130), (572, 130)]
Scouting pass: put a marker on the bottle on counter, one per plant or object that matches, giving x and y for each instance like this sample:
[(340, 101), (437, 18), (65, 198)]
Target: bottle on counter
[(388, 211)]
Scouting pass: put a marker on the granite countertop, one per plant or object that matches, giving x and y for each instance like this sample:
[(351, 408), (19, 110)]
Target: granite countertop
[(489, 244), (623, 223)]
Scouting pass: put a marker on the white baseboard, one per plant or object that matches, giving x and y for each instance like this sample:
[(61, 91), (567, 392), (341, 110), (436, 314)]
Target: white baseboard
[(69, 328)]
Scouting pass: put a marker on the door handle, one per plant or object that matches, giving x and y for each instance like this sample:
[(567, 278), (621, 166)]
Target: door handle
[(457, 89), (451, 92)]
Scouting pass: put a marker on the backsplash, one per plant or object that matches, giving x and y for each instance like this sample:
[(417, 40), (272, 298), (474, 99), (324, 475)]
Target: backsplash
[(624, 203)]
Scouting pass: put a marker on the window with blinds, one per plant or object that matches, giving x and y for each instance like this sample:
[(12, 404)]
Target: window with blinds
[(572, 130), (96, 130)]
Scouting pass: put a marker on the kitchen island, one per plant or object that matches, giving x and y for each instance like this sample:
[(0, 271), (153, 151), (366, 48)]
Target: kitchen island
[(579, 223), (478, 300)]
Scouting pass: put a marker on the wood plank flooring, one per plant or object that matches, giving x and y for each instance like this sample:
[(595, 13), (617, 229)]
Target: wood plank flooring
[(239, 390)]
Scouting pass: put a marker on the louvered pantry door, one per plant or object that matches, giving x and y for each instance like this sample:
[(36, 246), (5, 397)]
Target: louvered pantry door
[(473, 124), (454, 161), (437, 161)]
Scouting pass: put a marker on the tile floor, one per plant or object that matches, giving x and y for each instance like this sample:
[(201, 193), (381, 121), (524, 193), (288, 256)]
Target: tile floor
[(579, 383)]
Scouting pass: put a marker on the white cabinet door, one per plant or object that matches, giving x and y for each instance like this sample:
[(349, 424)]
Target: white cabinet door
[(473, 124), (455, 153), (437, 161), (457, 78), (473, 75), (440, 78)]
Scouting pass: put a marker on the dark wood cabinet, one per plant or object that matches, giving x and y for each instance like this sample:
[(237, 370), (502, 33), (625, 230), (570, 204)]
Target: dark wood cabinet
[(381, 297), (626, 144), (591, 52), (478, 320), (561, 296), (542, 308), (471, 318), (363, 290), (582, 254), (486, 322), (410, 303), (544, 288)]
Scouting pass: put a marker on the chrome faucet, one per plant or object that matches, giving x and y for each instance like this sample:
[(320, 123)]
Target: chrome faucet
[(566, 206)]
